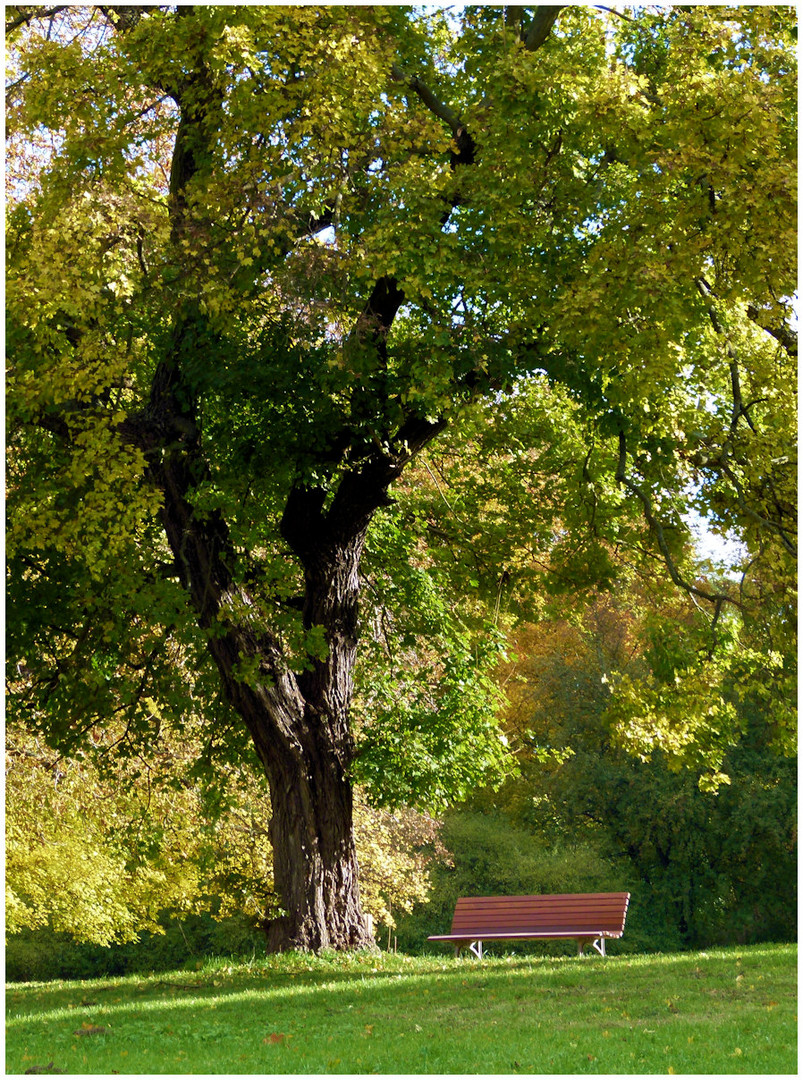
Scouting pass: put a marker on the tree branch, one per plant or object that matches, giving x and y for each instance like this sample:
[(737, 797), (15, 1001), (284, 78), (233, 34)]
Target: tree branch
[(613, 11), (432, 102), (466, 147), (26, 17), (538, 32), (124, 17), (784, 335), (739, 409), (773, 526), (541, 26)]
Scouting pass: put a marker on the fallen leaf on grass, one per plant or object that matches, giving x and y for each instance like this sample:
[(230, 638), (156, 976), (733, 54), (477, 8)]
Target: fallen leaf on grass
[(275, 1037)]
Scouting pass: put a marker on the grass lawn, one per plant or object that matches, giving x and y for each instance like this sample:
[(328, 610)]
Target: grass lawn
[(719, 1011)]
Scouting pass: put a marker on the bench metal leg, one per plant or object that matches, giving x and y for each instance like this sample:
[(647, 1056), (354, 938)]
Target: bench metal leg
[(597, 943), (474, 947)]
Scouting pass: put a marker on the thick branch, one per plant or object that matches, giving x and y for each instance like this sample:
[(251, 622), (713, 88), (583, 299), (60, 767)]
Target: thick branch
[(466, 147), (541, 26), (431, 100), (784, 335), (124, 17), (537, 33), (309, 529), (362, 492)]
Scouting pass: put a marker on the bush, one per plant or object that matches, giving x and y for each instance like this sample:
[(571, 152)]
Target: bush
[(40, 955)]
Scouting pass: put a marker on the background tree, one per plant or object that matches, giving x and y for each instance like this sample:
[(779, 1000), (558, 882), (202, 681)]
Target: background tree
[(261, 257), (708, 854)]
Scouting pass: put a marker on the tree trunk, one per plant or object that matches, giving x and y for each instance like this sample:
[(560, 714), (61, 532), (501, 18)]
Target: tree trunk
[(315, 862), (311, 829), (303, 739), (298, 721)]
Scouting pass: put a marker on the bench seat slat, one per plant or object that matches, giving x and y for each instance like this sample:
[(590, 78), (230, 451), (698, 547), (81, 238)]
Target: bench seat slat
[(575, 905), (469, 918), (506, 928), (523, 905), (559, 898)]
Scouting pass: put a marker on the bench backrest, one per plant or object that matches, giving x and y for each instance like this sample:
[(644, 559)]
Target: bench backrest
[(562, 913)]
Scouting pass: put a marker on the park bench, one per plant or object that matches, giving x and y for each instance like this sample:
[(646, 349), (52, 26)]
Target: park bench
[(589, 918)]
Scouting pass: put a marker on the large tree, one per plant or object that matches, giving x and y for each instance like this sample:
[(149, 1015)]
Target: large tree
[(260, 257)]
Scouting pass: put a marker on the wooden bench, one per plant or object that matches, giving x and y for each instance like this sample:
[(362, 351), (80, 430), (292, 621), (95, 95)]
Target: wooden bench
[(589, 918)]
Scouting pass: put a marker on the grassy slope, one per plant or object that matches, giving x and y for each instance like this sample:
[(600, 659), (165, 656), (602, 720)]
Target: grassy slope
[(722, 1011)]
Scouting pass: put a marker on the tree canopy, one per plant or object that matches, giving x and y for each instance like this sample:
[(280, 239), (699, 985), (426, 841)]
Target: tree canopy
[(261, 259)]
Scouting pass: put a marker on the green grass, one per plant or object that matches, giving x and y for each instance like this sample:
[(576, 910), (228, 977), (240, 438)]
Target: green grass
[(719, 1011)]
